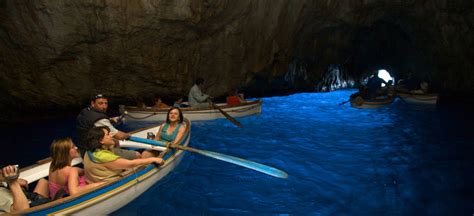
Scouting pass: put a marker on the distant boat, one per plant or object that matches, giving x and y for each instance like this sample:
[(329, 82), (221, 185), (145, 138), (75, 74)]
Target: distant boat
[(359, 102), (419, 98), (114, 195), (152, 114)]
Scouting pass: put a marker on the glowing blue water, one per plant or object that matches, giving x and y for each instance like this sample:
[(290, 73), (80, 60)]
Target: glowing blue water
[(397, 160)]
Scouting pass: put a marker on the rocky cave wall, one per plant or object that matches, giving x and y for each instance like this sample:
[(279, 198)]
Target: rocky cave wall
[(54, 54)]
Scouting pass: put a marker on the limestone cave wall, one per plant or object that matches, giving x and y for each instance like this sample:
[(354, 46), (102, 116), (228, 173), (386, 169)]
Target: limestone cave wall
[(55, 54)]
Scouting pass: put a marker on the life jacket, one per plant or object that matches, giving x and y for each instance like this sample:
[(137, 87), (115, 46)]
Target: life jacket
[(232, 100), (85, 121)]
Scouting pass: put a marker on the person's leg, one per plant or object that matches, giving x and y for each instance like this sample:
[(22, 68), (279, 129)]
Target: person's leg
[(42, 188), (147, 154), (126, 154)]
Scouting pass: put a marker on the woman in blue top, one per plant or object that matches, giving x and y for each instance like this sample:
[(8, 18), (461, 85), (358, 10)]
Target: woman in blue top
[(172, 130)]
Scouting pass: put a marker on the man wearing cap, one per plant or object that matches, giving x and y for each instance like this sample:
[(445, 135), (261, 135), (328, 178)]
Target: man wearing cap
[(95, 116)]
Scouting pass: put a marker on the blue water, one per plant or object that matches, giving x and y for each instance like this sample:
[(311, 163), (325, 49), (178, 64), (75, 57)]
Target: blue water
[(397, 160)]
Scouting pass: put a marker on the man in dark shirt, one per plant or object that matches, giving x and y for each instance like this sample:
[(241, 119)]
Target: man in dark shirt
[(95, 116), (375, 85)]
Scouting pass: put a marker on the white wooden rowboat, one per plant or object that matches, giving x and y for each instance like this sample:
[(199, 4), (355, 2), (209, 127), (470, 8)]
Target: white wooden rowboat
[(113, 195), (151, 114), (419, 98), (376, 103)]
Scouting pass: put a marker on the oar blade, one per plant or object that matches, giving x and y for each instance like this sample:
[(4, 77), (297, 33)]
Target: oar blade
[(242, 162), (227, 158)]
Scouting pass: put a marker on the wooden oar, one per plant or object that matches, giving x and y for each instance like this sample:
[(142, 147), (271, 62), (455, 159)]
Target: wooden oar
[(140, 145), (227, 116), (227, 158), (344, 102)]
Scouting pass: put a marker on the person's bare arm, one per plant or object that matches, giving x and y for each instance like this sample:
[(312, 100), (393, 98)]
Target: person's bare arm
[(73, 182), (19, 199), (121, 135), (121, 163), (180, 134)]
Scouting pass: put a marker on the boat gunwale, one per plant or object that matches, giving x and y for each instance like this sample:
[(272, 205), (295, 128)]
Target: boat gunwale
[(191, 109), (373, 103), (419, 97)]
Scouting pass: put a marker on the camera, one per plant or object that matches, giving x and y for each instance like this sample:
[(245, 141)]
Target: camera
[(150, 135), (13, 177)]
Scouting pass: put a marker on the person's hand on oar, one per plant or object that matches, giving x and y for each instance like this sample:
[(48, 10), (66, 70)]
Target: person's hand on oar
[(171, 145), (117, 120)]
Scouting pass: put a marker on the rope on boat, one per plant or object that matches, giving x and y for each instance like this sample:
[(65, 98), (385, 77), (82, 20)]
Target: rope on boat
[(148, 116)]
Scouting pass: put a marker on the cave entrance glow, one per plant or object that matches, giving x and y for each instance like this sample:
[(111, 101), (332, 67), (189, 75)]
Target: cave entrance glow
[(385, 75)]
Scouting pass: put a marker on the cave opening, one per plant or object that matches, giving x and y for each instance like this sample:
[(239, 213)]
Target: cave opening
[(386, 76), (389, 49)]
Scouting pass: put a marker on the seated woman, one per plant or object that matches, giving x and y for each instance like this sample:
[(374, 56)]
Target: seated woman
[(171, 131), (159, 104), (235, 98), (101, 164), (64, 178)]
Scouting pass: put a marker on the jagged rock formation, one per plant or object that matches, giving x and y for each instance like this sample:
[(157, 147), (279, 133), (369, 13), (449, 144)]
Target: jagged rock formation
[(55, 54)]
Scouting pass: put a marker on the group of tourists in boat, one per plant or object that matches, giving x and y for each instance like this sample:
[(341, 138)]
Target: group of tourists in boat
[(101, 184), (378, 92), (196, 99), (103, 159), (198, 107)]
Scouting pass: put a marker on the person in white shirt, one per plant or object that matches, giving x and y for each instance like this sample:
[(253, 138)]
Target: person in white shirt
[(196, 97)]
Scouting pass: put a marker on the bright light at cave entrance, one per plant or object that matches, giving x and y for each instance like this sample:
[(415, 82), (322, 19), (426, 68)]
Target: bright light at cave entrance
[(385, 76)]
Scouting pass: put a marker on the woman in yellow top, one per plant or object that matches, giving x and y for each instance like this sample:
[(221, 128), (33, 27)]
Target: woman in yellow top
[(101, 164)]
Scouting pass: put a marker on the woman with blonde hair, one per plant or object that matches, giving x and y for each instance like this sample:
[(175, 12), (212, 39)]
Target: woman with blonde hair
[(65, 179)]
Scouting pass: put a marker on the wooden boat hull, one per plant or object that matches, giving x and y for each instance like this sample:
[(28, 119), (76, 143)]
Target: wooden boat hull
[(419, 98), (194, 114), (114, 195), (371, 103)]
